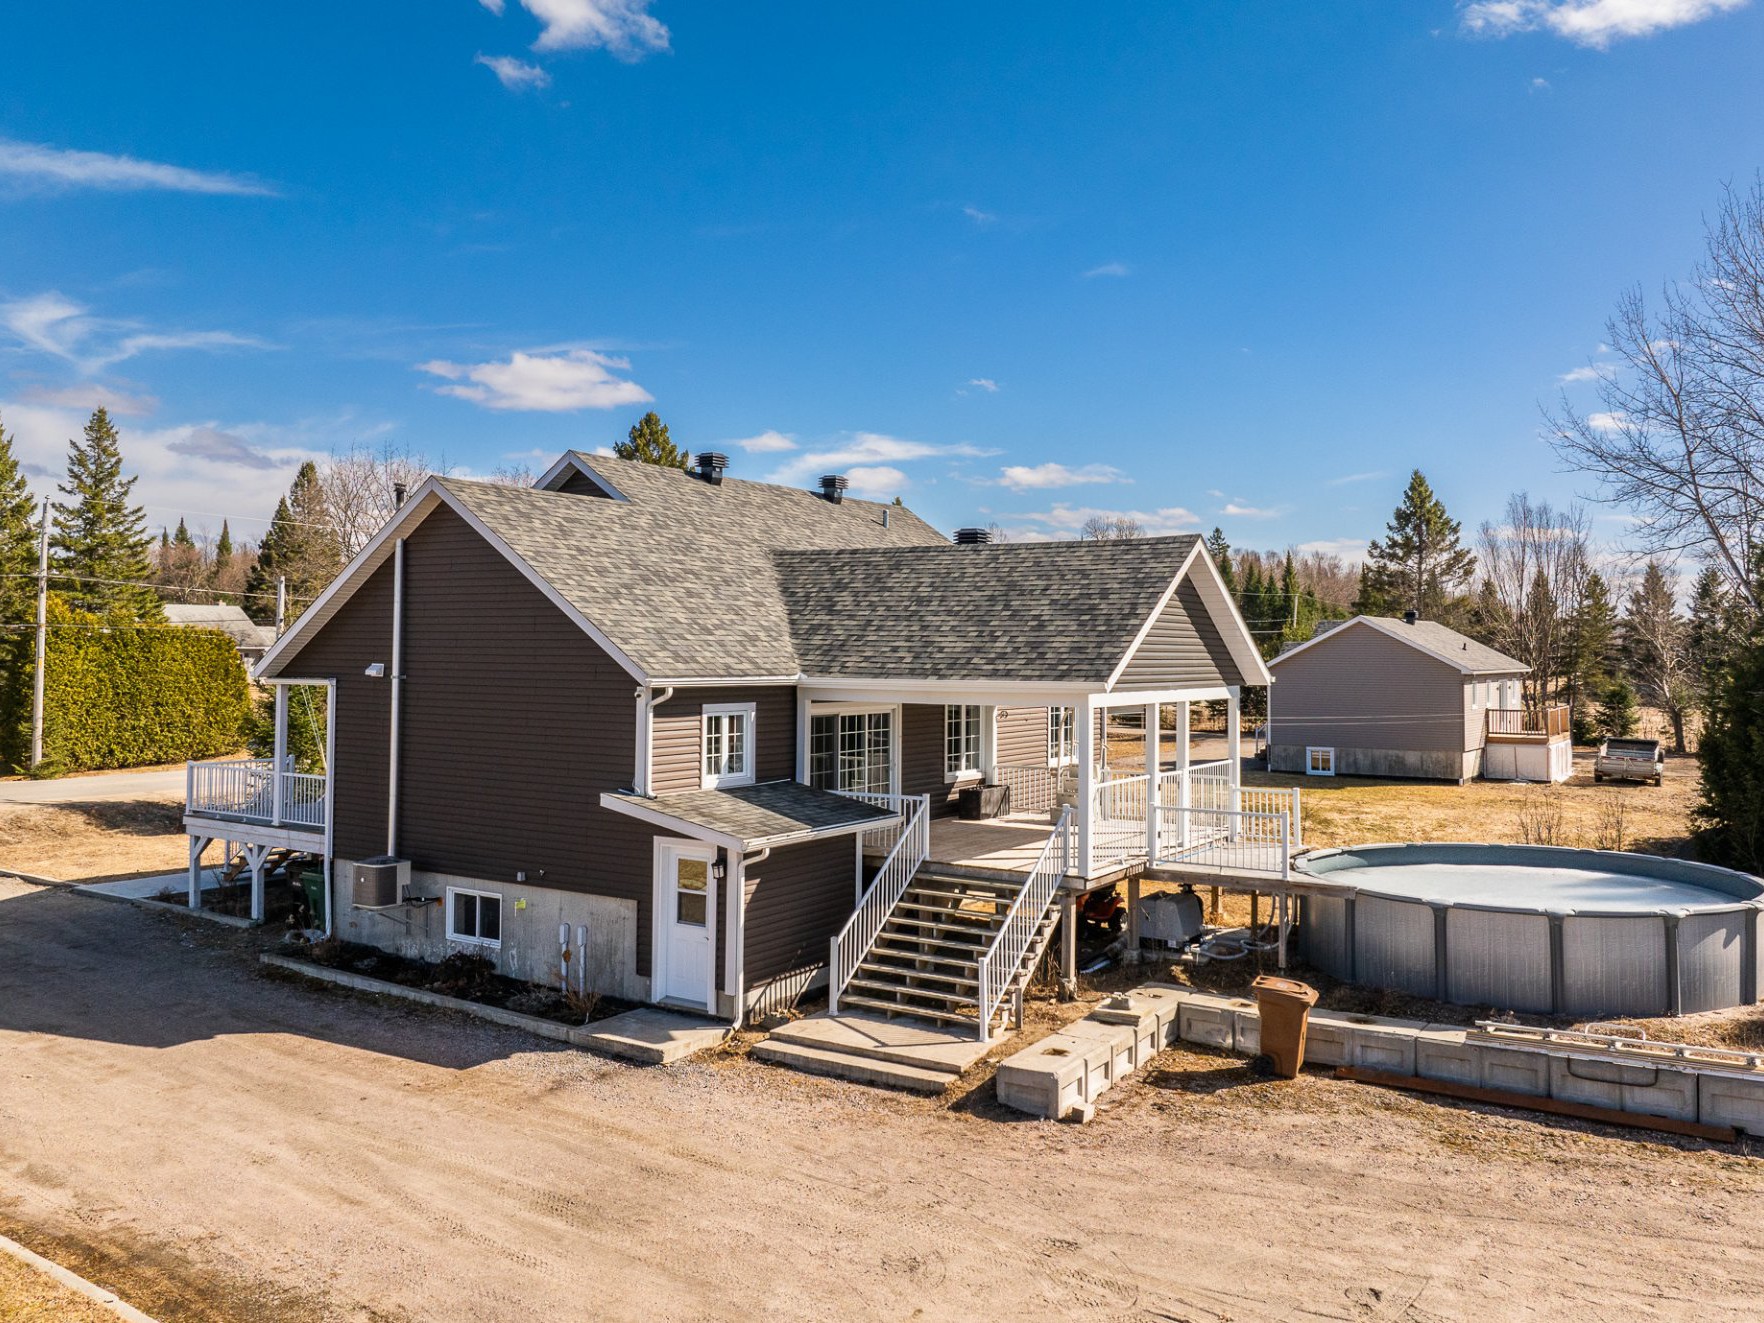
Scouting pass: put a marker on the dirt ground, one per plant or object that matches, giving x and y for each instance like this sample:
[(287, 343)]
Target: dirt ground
[(213, 1142)]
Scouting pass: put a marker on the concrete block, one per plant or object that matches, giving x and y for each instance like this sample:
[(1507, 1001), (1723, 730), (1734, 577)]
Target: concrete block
[(1380, 1043), (1731, 1098), (1443, 1052), (1327, 1035), (1673, 1093), (1118, 1038), (1209, 1021), (1248, 1028), (1515, 1069), (1595, 1081), (1161, 1000), (1145, 1037)]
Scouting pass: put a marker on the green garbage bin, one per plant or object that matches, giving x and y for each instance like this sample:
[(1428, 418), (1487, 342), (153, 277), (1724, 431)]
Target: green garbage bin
[(312, 882)]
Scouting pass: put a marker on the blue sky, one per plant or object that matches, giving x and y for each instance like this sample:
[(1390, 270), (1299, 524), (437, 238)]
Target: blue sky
[(1240, 264)]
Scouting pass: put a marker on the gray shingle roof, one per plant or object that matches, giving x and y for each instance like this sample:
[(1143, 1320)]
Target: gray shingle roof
[(680, 575), (230, 620), (1049, 611), (761, 814), (1437, 641)]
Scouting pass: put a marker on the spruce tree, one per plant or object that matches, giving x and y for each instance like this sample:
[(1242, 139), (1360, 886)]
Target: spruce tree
[(1592, 641), (649, 443), (18, 539), (1420, 564), (1617, 714), (182, 537), (1712, 636), (299, 547), (1654, 652), (1732, 756), (100, 543), (223, 547), (1220, 550)]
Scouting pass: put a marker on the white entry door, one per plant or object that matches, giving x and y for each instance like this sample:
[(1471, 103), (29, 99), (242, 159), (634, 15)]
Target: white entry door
[(685, 923)]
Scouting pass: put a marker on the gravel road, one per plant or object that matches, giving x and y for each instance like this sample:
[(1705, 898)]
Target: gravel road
[(216, 1143)]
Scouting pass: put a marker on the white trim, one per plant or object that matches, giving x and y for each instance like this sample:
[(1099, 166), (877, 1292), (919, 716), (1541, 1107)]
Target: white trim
[(462, 939), (978, 770), (1241, 642), (661, 916), (1012, 693), (1396, 632), (427, 498), (1319, 748), (572, 460), (750, 737)]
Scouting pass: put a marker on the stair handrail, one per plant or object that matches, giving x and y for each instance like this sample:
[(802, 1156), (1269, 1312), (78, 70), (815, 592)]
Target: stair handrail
[(1012, 941), (847, 950)]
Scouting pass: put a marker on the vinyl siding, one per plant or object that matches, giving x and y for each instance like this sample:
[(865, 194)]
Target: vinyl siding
[(679, 729), (1183, 649), (1361, 689), (921, 755), (798, 899), (514, 723), (579, 483), (1022, 736)]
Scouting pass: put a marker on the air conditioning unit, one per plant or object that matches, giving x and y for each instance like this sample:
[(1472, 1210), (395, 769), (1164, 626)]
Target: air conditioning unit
[(380, 883)]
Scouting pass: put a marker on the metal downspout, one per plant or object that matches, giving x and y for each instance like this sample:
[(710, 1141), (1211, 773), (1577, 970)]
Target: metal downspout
[(395, 722), (738, 920)]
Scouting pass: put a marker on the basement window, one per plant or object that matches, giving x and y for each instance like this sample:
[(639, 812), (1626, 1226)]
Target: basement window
[(728, 745), (474, 918), (1319, 762)]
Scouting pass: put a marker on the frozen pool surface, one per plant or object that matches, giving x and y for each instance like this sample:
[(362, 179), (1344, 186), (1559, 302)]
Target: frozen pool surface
[(1522, 886)]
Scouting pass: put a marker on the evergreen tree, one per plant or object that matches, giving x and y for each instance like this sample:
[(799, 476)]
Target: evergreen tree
[(1591, 650), (1420, 564), (1712, 637), (300, 547), (649, 443), (1289, 590), (1732, 807), (18, 540), (182, 537), (100, 543), (1220, 550), (1654, 653), (1617, 715), (223, 547)]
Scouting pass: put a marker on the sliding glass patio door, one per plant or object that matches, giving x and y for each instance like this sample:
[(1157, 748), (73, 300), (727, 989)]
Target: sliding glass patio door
[(852, 750)]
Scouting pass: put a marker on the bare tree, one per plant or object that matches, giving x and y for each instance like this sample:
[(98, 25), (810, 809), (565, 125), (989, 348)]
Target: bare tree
[(1110, 528), (514, 475), (1534, 565), (361, 487), (1679, 436)]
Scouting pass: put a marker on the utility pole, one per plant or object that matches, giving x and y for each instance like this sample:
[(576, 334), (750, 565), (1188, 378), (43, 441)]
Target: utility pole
[(42, 640), (281, 604)]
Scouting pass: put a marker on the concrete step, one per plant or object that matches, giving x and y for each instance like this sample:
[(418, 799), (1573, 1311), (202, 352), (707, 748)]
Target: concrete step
[(904, 1041), (860, 1070)]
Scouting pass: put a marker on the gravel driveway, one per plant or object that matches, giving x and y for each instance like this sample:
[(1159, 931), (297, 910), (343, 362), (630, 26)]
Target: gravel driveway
[(215, 1143)]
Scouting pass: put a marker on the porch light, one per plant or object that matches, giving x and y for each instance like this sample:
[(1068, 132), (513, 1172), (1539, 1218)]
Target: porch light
[(720, 869)]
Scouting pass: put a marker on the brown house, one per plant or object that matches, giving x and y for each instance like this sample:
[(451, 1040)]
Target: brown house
[(703, 733), (1378, 696)]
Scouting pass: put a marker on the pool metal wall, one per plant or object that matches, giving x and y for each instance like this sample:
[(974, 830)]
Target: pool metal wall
[(1668, 962)]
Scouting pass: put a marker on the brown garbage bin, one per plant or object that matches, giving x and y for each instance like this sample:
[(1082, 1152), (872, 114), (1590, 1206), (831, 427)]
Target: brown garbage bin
[(1284, 1005)]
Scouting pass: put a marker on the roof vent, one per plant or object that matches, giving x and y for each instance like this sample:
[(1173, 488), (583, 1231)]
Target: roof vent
[(711, 465), (833, 486), (1411, 617), (972, 537)]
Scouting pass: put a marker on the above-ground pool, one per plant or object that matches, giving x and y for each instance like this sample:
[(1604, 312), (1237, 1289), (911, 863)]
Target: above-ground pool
[(1534, 928)]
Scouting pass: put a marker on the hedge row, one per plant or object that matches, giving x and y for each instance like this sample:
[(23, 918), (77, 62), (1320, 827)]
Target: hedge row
[(118, 694)]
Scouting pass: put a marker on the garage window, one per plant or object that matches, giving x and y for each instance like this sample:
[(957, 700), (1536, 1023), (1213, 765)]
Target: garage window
[(1319, 762), (474, 918)]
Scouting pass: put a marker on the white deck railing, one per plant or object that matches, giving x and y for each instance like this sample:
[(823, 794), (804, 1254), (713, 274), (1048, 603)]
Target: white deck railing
[(1117, 820), (912, 845), (1001, 968), (1226, 840), (245, 790), (1035, 789)]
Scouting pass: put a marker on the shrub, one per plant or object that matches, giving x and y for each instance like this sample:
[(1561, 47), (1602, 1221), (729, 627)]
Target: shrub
[(118, 693)]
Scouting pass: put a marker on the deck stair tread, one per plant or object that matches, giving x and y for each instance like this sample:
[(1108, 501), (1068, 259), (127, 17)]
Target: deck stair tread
[(918, 1012)]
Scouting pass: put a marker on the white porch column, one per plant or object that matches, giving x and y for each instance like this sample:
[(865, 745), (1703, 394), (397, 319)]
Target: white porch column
[(802, 738), (1154, 770), (197, 845), (1084, 733), (257, 856), (278, 765), (1234, 745), (1184, 793)]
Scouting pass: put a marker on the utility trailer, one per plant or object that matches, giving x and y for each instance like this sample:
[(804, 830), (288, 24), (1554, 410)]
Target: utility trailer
[(1630, 760)]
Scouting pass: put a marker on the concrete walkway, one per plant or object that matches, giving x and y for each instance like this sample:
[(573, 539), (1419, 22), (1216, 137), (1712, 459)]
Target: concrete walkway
[(156, 784)]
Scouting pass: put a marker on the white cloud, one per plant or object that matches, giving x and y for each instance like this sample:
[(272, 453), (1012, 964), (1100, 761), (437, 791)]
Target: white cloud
[(1238, 510), (622, 28), (1595, 23), (92, 396), (866, 450), (979, 217), (55, 325), (1605, 422), (1067, 521), (59, 167), (1540, 84), (515, 75), (1106, 269), (1592, 372), (541, 382), (1043, 477), (876, 481), (768, 442), (986, 384), (1347, 479)]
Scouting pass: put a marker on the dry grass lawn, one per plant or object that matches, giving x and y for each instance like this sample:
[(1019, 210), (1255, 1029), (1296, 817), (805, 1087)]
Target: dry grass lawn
[(100, 839), (28, 1296)]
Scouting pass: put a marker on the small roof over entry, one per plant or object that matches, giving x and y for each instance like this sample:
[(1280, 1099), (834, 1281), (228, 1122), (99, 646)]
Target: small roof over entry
[(753, 817)]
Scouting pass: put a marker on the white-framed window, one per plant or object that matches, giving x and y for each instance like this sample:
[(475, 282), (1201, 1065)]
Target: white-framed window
[(963, 743), (1062, 736), (1319, 762), (728, 745), (474, 918), (852, 750)]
